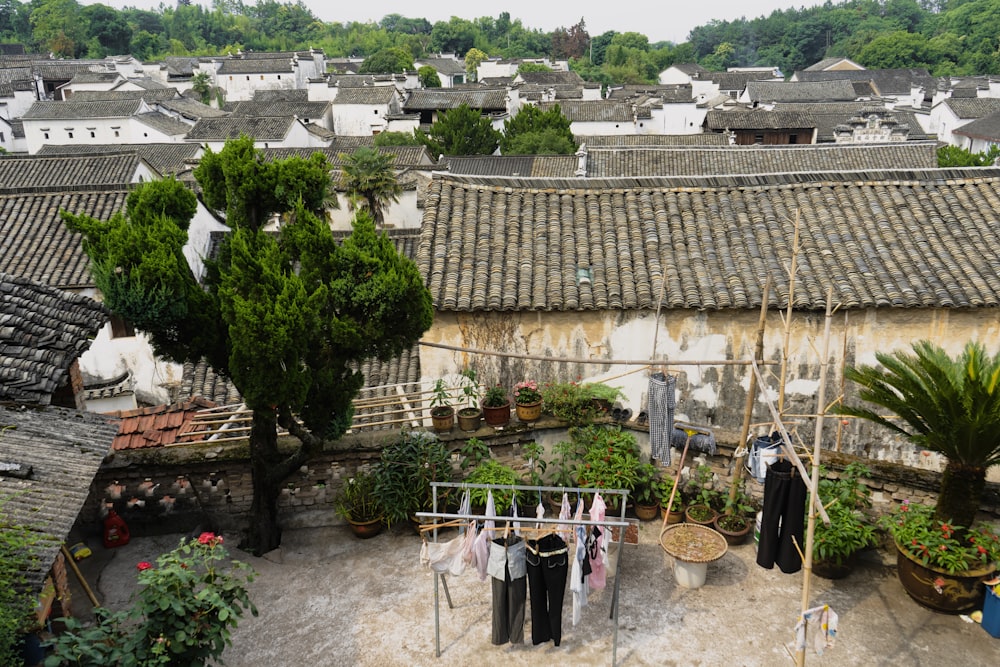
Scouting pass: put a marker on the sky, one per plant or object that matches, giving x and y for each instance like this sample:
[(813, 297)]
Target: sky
[(659, 20)]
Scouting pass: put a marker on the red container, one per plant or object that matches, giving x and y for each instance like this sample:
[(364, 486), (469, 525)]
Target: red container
[(116, 533)]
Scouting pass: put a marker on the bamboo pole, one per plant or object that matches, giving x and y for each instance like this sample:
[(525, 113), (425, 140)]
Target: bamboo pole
[(599, 362), (800, 652), (79, 575), (788, 316), (843, 380), (751, 393)]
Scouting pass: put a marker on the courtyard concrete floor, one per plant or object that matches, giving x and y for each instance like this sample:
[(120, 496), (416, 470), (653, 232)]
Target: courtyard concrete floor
[(328, 598)]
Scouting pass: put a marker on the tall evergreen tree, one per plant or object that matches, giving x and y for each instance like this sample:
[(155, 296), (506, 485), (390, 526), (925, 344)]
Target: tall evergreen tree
[(462, 131), (284, 317)]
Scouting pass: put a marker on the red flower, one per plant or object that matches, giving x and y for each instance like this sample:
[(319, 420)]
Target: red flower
[(206, 538), (144, 566), (981, 550)]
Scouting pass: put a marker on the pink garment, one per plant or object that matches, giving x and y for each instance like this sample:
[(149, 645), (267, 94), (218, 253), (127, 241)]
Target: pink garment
[(597, 551), (449, 557), (577, 581)]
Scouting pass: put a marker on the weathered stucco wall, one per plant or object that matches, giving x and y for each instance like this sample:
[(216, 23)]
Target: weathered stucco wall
[(710, 394)]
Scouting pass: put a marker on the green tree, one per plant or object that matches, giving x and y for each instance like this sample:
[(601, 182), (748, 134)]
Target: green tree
[(532, 130), (387, 61), (472, 60), (284, 318), (201, 84), (428, 77), (397, 139), (109, 28), (462, 131), (943, 404), (532, 67), (58, 27), (145, 45), (368, 177), (454, 36), (953, 156)]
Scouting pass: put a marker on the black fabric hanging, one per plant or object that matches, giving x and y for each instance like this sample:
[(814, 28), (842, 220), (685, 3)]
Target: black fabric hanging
[(661, 402), (782, 523)]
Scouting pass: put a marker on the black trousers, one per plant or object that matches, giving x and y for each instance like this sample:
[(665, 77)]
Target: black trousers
[(509, 596), (783, 518), (547, 587)]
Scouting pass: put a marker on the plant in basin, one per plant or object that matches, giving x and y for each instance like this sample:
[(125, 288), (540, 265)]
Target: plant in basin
[(610, 459), (845, 499), (527, 392), (701, 496), (491, 471), (951, 406), (357, 500), (495, 397), (470, 394)]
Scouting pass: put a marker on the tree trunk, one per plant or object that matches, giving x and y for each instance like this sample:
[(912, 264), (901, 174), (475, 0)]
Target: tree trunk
[(961, 492), (269, 468)]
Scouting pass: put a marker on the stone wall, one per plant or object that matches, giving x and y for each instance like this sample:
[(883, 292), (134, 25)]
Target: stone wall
[(208, 487)]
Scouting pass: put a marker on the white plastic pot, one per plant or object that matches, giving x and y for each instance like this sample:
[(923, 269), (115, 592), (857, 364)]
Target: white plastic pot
[(690, 575)]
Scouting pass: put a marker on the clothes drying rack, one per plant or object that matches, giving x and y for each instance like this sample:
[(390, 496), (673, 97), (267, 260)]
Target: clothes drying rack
[(621, 523)]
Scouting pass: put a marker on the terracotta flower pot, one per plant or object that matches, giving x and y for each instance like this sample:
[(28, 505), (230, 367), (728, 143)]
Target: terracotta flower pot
[(469, 419), (938, 589), (733, 537), (497, 416), (700, 514), (529, 412), (647, 512), (365, 529), (443, 418)]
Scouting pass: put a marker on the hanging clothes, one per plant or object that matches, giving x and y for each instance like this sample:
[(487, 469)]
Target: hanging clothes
[(580, 567), (597, 550), (782, 523), (453, 556), (548, 562), (508, 568), (481, 545), (827, 632), (661, 402)]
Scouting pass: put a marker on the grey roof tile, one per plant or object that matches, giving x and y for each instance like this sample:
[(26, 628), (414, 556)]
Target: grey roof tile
[(231, 127), (886, 238), (70, 110), (452, 98), (164, 158), (609, 111), (248, 66), (311, 110), (43, 330), (895, 81), (163, 123), (23, 174), (558, 166), (120, 95), (365, 95), (757, 119), (986, 128), (64, 448), (639, 140), (972, 107), (804, 91)]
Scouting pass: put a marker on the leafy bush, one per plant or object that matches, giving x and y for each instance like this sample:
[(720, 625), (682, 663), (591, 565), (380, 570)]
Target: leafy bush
[(404, 474), (183, 613), (15, 603), (491, 471)]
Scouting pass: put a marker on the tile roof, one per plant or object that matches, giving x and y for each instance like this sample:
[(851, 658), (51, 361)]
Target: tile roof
[(255, 66), (804, 91), (406, 156), (58, 70), (450, 66), (898, 81), (669, 94), (23, 173), (120, 95), (146, 83), (700, 139), (825, 63), (756, 119), (161, 122), (551, 78), (286, 95), (43, 330), (558, 166), (607, 111), (451, 98), (87, 76), (190, 109), (64, 449), (310, 110), (974, 107), (35, 242), (157, 425), (180, 66), (164, 158), (899, 238), (70, 110), (351, 80), (274, 128), (736, 80), (986, 128), (827, 116), (365, 95), (706, 161), (690, 68)]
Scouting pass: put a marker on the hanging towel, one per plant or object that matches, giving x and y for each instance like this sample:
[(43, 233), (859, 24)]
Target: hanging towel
[(596, 549), (662, 401), (827, 619), (580, 568), (481, 547)]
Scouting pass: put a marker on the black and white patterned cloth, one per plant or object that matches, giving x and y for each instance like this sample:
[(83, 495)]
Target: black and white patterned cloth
[(662, 400)]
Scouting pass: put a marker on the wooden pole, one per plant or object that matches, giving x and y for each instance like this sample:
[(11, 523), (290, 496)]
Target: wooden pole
[(79, 575), (800, 652), (758, 354), (788, 316), (843, 379)]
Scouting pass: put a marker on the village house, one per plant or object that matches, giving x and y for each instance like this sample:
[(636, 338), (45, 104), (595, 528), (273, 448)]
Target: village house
[(450, 71), (954, 113), (369, 110), (605, 117)]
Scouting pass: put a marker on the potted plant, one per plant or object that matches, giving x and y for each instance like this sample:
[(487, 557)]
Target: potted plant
[(734, 522), (950, 406), (835, 546), (568, 456), (647, 490), (610, 459), (602, 396), (472, 452), (702, 497), (470, 416), (496, 406), (675, 511), (404, 474), (442, 413), (491, 471), (358, 503), (537, 465), (527, 401)]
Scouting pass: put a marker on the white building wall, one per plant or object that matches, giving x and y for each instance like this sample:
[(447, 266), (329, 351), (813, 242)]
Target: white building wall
[(240, 87), (359, 120), (401, 215), (677, 119), (587, 128)]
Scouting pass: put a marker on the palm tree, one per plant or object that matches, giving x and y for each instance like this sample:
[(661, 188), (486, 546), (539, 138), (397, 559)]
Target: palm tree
[(202, 85), (950, 406), (369, 179)]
